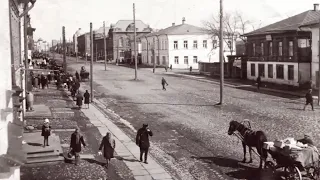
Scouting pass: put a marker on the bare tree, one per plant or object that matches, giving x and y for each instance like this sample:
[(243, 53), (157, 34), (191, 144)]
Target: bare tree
[(235, 25)]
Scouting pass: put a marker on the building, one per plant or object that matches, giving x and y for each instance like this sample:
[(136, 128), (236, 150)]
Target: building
[(181, 46), (75, 40), (11, 88), (83, 44), (98, 43), (281, 52), (120, 37)]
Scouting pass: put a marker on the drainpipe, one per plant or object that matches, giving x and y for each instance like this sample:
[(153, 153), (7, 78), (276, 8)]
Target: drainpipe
[(167, 45), (147, 48)]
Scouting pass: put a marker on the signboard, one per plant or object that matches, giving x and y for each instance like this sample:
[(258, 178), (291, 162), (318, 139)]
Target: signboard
[(268, 38)]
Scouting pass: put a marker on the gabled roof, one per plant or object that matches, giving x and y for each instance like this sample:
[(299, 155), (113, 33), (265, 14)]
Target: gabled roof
[(182, 29), (290, 24), (122, 25)]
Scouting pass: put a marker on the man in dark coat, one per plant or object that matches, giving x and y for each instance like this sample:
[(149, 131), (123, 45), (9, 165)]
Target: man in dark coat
[(164, 83), (309, 99), (142, 140), (86, 98), (79, 100), (258, 82), (108, 144), (77, 76), (75, 144)]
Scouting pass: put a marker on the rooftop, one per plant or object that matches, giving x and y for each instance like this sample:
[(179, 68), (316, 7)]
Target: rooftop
[(182, 29), (290, 24), (127, 25)]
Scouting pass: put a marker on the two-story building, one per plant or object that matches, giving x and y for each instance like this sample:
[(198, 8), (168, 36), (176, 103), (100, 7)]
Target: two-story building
[(98, 43), (281, 52), (181, 46), (83, 44), (120, 38)]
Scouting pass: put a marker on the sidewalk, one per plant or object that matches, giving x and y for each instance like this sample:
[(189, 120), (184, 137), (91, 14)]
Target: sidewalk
[(64, 117), (126, 149)]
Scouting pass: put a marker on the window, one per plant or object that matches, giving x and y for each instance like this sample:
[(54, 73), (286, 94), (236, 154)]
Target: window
[(290, 48), (121, 53), (270, 48), (280, 49), (270, 71), (262, 49), (185, 44), (290, 72), (195, 44), (254, 49), (163, 60), (176, 59), (195, 59), (186, 60), (280, 71), (175, 44), (261, 70), (253, 69), (204, 43), (158, 60)]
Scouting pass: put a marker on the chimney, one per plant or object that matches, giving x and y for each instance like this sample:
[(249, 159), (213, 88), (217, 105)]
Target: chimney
[(316, 7), (183, 20), (173, 24)]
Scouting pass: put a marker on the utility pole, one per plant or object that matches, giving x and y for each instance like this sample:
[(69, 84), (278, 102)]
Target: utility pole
[(25, 39), (135, 45), (91, 62), (221, 56), (318, 70), (64, 48), (105, 46)]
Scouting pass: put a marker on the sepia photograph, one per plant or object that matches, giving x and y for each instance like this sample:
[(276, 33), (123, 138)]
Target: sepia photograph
[(160, 90)]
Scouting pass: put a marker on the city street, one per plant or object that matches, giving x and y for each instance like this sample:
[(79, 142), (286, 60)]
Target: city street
[(190, 132)]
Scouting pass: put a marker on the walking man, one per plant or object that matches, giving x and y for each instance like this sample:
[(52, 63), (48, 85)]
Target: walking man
[(309, 100), (142, 140), (86, 98), (258, 82), (75, 145), (164, 83), (108, 144)]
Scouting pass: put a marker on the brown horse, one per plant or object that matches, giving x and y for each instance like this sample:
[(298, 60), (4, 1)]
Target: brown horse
[(250, 139)]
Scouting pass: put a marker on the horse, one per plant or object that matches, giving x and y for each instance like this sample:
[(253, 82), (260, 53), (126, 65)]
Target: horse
[(251, 139)]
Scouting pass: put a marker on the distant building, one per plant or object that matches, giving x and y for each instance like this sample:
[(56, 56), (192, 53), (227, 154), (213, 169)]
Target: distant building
[(181, 46), (120, 36), (240, 48), (83, 44), (281, 52), (75, 40), (98, 43)]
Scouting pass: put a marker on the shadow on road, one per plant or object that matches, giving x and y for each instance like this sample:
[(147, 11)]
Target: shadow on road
[(170, 104), (242, 172)]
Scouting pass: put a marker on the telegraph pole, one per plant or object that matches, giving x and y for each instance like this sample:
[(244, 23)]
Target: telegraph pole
[(91, 62), (64, 48), (135, 43), (221, 56), (318, 71), (105, 46), (25, 39)]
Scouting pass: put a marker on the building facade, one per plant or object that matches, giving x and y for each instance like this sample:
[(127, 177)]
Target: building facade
[(280, 53), (120, 38), (83, 44), (181, 46), (98, 43)]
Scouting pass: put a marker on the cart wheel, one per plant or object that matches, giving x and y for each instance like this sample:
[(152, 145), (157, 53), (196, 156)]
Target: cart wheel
[(292, 173), (270, 166)]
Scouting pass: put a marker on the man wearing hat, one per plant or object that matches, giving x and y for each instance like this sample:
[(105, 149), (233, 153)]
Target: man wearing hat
[(142, 140), (307, 139), (75, 144)]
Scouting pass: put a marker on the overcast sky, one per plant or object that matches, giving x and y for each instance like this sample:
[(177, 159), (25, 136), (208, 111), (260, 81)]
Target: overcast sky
[(48, 16)]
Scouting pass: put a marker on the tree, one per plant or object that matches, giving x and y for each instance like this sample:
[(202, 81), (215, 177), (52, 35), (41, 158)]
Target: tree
[(235, 25)]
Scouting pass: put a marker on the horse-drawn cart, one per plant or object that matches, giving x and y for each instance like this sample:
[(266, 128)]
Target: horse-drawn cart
[(84, 74), (297, 161)]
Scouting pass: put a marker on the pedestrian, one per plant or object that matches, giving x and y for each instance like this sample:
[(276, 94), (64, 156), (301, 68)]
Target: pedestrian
[(39, 81), (30, 100), (86, 98), (171, 67), (75, 145), (108, 144), (36, 82), (33, 82), (142, 140), (309, 100), (42, 79), (77, 76), (164, 83), (79, 100), (166, 68), (190, 69), (49, 76), (46, 132), (258, 82)]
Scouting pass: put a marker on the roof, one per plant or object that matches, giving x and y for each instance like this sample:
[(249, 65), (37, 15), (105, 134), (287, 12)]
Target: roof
[(122, 25), (182, 29), (99, 32), (290, 24)]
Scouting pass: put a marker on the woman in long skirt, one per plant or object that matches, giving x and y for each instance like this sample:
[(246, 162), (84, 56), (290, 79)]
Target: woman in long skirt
[(108, 144)]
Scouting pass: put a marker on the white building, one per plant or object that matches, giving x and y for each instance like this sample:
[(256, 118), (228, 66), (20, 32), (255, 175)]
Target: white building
[(181, 46)]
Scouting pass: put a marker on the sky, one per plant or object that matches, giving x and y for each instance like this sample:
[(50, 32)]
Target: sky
[(48, 16)]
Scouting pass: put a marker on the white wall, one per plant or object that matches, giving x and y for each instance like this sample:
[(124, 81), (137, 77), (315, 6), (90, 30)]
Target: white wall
[(5, 76), (304, 72), (315, 53), (285, 80)]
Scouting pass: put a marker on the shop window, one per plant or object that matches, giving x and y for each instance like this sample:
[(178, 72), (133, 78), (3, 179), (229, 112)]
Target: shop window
[(290, 72), (270, 71), (280, 71), (261, 70), (253, 69)]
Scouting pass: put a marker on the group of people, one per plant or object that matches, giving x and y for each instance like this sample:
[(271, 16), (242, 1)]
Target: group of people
[(41, 81), (107, 145)]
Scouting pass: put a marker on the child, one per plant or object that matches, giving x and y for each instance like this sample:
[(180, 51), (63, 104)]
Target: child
[(46, 132)]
